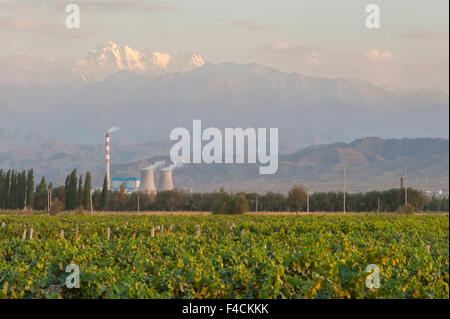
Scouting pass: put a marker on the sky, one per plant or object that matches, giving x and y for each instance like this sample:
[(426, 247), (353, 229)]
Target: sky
[(315, 37)]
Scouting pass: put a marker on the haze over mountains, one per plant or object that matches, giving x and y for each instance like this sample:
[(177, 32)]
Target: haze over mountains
[(57, 118), (372, 163)]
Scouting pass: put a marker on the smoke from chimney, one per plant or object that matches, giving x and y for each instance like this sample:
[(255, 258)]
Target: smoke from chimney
[(113, 129), (155, 165), (172, 166)]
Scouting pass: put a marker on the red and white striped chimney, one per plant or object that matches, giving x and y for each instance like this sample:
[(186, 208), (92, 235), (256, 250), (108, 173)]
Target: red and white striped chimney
[(108, 174)]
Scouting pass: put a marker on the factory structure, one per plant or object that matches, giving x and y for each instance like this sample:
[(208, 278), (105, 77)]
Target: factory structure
[(146, 183)]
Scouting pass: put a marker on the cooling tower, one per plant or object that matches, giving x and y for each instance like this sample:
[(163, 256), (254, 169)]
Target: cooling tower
[(165, 180), (147, 181)]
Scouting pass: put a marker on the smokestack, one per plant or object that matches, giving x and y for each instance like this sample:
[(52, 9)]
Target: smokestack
[(108, 173), (147, 181), (165, 180)]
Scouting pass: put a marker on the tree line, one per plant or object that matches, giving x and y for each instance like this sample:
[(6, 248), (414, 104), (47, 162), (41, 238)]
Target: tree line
[(18, 191)]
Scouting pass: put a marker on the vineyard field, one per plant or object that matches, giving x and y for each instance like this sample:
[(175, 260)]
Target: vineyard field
[(220, 256)]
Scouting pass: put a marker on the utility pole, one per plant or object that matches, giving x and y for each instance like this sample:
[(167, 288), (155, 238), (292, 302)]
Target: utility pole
[(90, 199), (344, 188), (49, 199), (256, 203), (406, 186), (138, 206), (378, 203), (307, 201)]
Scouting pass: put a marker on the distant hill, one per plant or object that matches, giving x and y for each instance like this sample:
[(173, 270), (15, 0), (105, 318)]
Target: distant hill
[(307, 110), (371, 163)]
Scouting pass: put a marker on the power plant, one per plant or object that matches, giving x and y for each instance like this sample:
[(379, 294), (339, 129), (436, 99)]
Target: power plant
[(147, 181), (165, 180)]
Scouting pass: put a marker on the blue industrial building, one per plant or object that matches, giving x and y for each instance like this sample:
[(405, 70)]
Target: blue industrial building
[(131, 184)]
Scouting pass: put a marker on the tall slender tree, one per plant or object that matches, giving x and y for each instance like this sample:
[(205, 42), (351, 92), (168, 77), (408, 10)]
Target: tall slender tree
[(105, 194), (80, 192), (30, 189), (7, 189), (73, 191), (2, 181), (22, 196), (66, 193), (40, 198), (87, 191)]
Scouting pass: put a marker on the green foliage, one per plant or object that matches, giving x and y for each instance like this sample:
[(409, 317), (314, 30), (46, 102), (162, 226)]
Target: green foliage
[(30, 189), (276, 257), (55, 207), (297, 198), (40, 198), (406, 209), (240, 204), (105, 194), (87, 191)]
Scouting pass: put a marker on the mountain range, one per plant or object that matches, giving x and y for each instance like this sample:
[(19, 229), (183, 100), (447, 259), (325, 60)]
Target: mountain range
[(307, 110), (371, 163), (58, 122), (109, 58)]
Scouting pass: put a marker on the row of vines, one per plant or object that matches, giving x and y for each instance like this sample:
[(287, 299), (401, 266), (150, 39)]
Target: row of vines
[(224, 256)]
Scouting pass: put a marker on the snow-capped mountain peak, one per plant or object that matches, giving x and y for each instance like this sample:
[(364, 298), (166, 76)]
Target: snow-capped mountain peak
[(109, 57)]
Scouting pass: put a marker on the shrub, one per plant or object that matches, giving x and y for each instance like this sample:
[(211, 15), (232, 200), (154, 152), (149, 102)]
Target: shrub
[(406, 209), (55, 207), (80, 211), (239, 205)]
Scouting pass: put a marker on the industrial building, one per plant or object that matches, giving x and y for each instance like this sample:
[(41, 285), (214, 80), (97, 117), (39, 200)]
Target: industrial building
[(146, 183), (131, 184)]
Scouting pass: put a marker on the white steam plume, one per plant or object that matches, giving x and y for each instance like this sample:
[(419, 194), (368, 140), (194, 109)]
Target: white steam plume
[(155, 165), (113, 129), (172, 166)]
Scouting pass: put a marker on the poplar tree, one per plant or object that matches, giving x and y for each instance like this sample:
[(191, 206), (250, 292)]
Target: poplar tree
[(66, 193), (6, 189), (22, 195), (30, 189), (80, 192), (2, 181), (73, 192), (105, 194), (87, 191), (40, 198)]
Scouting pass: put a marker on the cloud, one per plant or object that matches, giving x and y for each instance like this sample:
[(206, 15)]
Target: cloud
[(424, 35), (373, 65), (98, 6), (378, 56), (251, 25), (28, 68), (42, 27), (280, 46)]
